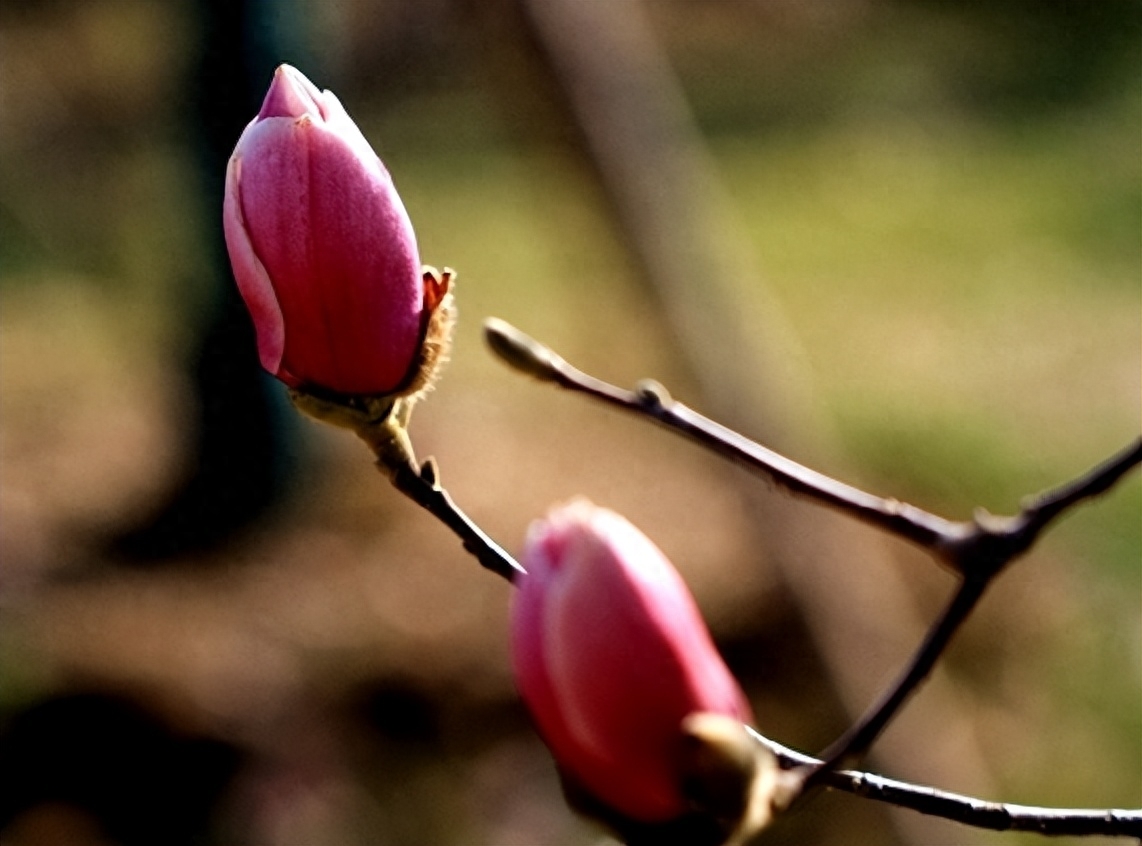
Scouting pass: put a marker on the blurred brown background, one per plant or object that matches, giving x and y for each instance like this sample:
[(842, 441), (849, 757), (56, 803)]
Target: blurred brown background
[(924, 216)]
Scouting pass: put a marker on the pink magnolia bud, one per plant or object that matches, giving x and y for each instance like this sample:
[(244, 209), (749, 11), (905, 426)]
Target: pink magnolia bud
[(611, 655), (321, 246)]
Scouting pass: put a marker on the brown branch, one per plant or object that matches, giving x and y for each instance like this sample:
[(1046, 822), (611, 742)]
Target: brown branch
[(651, 400), (423, 488), (984, 543), (978, 550), (979, 813), (382, 423), (860, 736), (988, 543)]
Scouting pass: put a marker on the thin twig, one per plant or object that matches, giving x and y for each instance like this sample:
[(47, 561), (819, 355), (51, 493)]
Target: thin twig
[(423, 488), (961, 545), (382, 423), (989, 543), (651, 400), (979, 813), (854, 742)]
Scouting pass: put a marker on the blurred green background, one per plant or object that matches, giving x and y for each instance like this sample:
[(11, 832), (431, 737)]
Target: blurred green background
[(943, 196)]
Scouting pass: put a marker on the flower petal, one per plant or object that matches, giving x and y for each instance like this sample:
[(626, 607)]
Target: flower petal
[(253, 281)]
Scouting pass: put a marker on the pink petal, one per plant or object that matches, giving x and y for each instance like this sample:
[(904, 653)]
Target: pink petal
[(253, 282), (341, 252), (290, 95)]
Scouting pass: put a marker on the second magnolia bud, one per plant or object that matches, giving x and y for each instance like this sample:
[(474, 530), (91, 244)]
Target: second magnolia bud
[(611, 656)]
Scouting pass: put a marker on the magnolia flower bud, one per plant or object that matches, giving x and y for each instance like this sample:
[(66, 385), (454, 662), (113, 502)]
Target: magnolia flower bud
[(611, 656), (322, 248)]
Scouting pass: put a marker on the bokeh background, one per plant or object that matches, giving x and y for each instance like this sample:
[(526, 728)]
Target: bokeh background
[(909, 236)]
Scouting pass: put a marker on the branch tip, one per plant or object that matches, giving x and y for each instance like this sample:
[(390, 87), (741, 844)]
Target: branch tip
[(521, 351)]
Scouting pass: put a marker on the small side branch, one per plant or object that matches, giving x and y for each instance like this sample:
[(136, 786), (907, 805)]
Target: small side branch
[(986, 542), (381, 421), (979, 813), (856, 741), (423, 488), (652, 400)]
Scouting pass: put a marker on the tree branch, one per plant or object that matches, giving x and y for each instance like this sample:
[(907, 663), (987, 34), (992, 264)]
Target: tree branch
[(382, 423), (979, 813), (860, 736), (652, 400), (988, 543), (423, 488), (960, 545)]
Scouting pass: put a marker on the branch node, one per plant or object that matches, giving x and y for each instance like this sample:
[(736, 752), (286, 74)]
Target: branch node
[(652, 395)]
